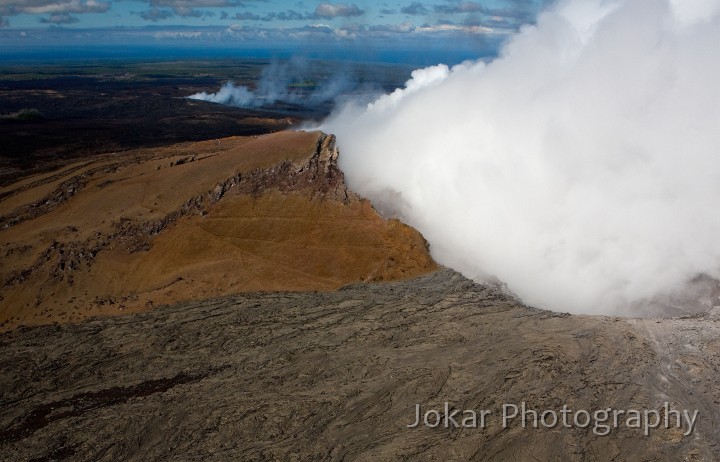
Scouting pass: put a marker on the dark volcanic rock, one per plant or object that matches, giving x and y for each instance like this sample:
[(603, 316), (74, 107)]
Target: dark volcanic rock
[(336, 376), (88, 116)]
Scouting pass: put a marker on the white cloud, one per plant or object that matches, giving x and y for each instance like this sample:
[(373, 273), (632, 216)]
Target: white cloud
[(329, 10), (13, 7), (402, 28), (186, 8), (581, 167), (59, 18), (155, 14)]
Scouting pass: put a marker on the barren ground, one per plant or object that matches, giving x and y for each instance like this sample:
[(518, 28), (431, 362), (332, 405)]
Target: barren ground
[(115, 235), (336, 375)]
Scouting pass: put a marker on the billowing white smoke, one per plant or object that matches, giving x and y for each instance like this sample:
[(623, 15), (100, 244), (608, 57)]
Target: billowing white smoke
[(285, 82), (231, 95), (581, 167)]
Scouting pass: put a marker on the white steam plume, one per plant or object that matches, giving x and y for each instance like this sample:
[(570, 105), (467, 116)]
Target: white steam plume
[(581, 167), (287, 82), (231, 95)]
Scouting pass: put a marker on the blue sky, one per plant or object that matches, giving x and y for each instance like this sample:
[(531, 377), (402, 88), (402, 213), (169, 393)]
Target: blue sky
[(89, 22)]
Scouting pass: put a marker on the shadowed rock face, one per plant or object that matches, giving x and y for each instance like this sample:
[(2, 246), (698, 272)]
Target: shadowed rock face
[(192, 221), (336, 376)]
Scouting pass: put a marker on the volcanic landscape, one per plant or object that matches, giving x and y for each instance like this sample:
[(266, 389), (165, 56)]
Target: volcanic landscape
[(201, 284)]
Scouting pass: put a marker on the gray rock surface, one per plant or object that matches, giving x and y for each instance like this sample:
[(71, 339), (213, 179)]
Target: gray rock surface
[(337, 375)]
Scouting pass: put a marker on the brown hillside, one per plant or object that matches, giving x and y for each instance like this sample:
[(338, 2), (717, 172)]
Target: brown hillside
[(190, 221)]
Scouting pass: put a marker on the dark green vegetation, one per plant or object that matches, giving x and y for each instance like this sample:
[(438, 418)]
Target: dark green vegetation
[(23, 115), (110, 106)]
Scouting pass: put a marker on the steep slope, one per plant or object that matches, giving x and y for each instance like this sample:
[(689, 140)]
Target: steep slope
[(125, 234)]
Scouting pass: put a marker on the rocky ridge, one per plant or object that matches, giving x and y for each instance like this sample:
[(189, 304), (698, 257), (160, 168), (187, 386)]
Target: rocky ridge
[(237, 178)]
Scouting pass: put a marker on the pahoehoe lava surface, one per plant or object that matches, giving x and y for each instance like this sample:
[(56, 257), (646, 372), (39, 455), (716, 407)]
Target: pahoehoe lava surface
[(336, 375)]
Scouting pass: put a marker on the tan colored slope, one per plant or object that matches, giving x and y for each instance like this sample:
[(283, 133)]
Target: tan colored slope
[(192, 221)]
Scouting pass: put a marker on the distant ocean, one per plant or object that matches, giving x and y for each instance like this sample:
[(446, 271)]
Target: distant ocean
[(415, 56)]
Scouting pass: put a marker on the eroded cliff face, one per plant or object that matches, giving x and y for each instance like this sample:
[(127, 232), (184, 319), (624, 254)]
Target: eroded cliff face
[(117, 235)]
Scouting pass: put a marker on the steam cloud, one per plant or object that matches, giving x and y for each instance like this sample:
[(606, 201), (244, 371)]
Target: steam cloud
[(286, 82), (581, 167)]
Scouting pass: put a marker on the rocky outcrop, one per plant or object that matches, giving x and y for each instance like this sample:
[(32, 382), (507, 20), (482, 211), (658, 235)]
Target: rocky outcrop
[(266, 200)]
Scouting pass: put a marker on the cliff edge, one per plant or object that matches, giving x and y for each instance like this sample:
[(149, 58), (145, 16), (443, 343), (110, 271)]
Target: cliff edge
[(119, 234)]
